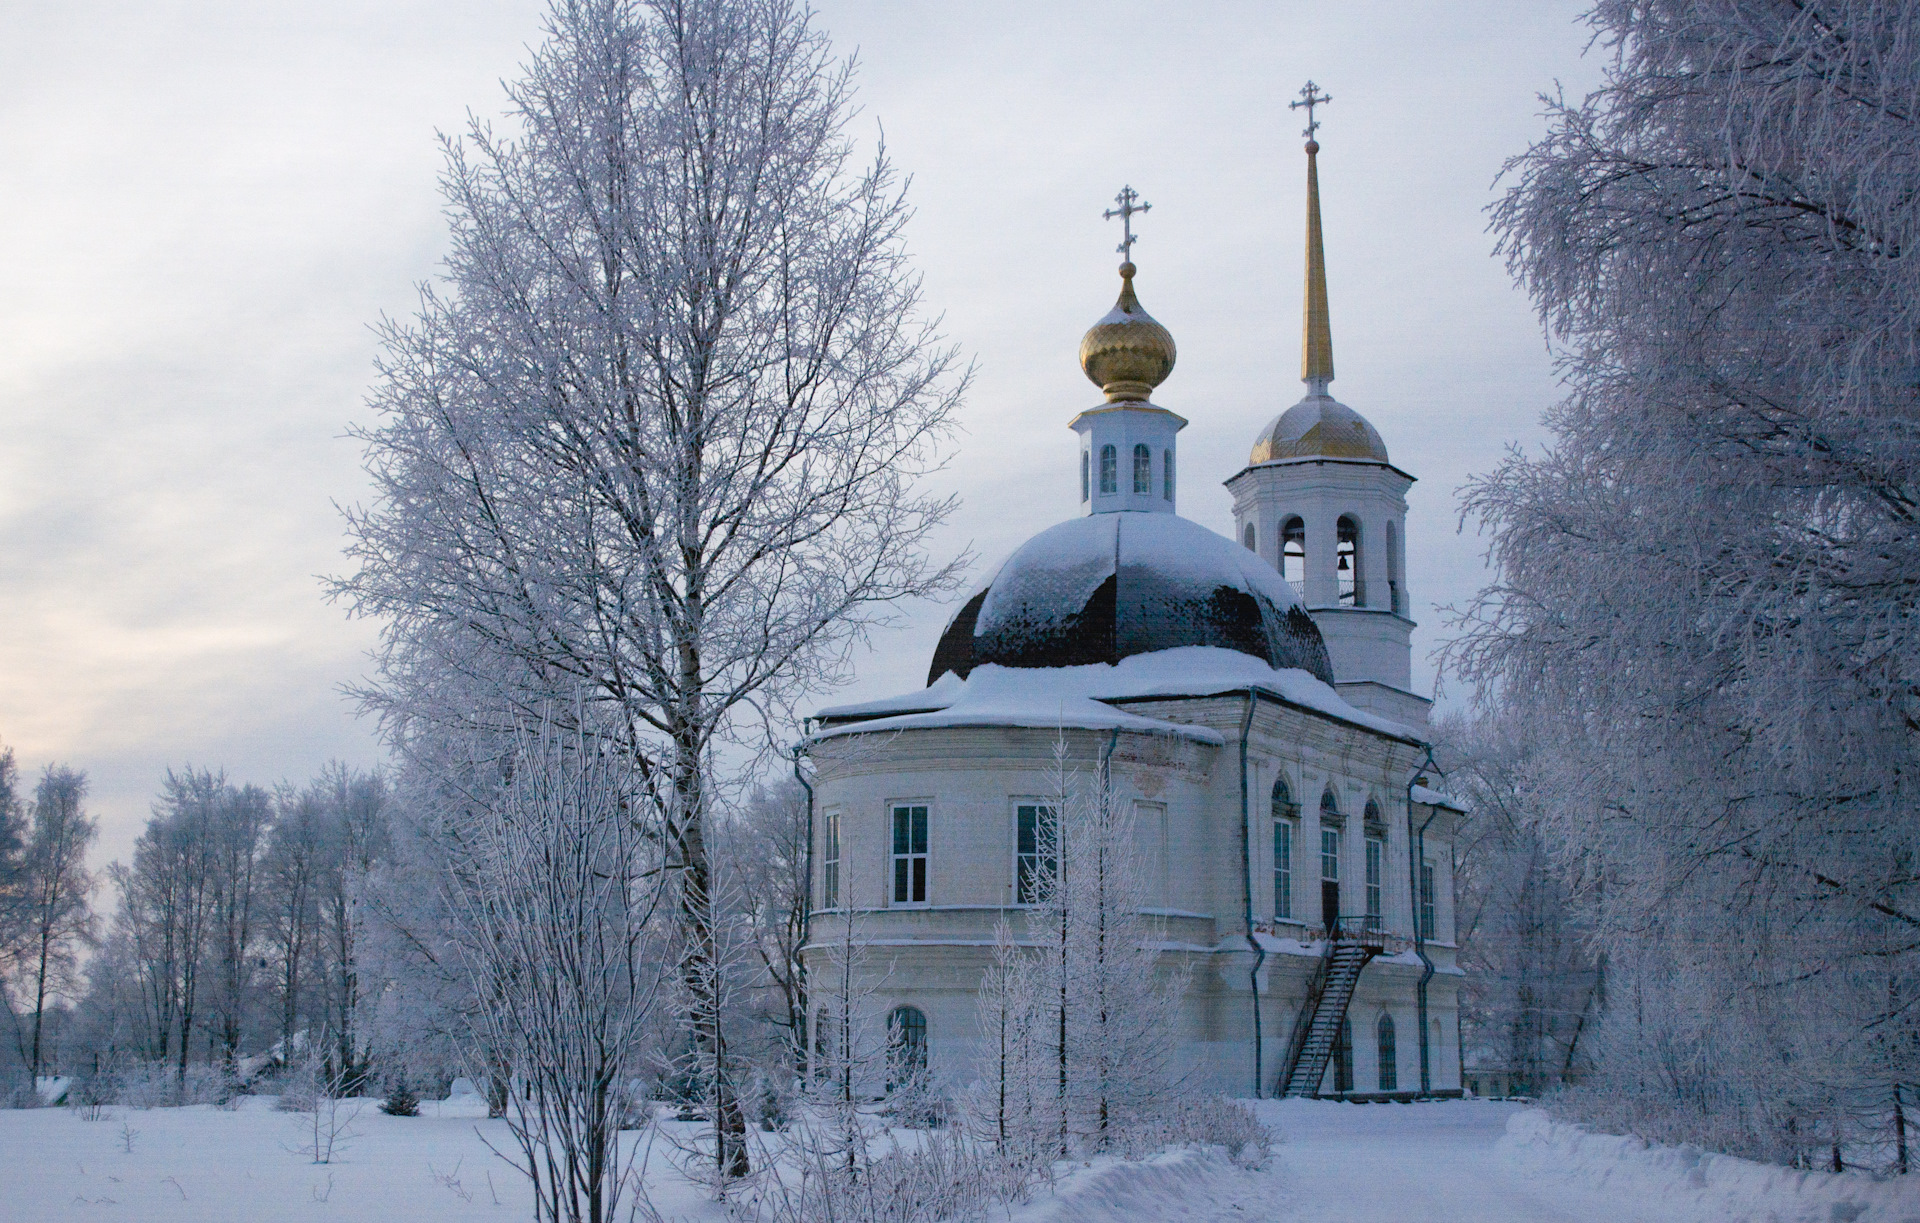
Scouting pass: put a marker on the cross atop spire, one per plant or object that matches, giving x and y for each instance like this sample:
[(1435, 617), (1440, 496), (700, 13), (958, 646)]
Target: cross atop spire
[(1310, 97), (1125, 212)]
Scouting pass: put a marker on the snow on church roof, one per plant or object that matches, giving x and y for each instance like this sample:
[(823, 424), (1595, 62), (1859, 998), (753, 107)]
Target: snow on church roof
[(1106, 587), (1079, 697)]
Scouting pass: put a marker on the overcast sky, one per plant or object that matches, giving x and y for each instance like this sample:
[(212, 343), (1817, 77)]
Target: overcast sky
[(203, 205)]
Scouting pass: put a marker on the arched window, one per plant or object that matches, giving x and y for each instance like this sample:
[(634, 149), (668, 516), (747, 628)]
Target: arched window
[(1393, 571), (1293, 551), (1353, 587), (1085, 462), (1109, 470), (906, 1044), (1251, 539), (1343, 1058), (1285, 833), (1166, 474), (1329, 860), (1389, 1061), (1142, 471)]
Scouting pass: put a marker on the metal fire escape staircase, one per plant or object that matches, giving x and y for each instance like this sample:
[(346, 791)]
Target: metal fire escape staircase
[(1350, 943)]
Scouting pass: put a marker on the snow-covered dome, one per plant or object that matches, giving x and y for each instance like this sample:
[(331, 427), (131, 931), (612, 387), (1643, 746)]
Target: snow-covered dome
[(1319, 427), (1109, 586)]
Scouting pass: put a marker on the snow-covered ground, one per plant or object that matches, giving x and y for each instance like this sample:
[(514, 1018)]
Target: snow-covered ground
[(1336, 1163)]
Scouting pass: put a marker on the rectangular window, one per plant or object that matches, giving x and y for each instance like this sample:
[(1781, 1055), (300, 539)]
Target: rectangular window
[(1426, 900), (1036, 858), (830, 863), (1283, 869), (910, 855), (1376, 851), (1329, 855), (1150, 834)]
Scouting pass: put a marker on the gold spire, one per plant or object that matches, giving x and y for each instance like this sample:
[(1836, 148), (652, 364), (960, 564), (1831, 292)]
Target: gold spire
[(1316, 339), (1127, 353)]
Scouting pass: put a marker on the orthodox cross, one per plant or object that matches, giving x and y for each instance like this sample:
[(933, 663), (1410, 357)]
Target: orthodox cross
[(1125, 212), (1310, 97)]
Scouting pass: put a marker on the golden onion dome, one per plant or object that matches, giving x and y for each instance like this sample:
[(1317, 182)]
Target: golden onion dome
[(1127, 353)]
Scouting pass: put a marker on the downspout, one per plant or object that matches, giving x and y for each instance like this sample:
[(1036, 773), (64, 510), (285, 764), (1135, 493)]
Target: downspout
[(1417, 852), (1246, 897)]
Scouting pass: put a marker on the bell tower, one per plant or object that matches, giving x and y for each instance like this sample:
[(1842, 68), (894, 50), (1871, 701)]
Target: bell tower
[(1320, 501)]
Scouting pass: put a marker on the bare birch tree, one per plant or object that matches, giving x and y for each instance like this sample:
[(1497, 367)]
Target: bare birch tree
[(659, 437)]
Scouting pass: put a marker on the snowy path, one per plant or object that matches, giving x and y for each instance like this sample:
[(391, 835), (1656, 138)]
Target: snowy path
[(1438, 1163)]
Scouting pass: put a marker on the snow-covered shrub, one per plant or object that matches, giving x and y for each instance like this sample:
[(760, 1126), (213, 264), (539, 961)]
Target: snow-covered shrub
[(1200, 1121), (947, 1178)]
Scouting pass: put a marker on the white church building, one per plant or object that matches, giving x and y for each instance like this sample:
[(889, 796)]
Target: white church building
[(1253, 697)]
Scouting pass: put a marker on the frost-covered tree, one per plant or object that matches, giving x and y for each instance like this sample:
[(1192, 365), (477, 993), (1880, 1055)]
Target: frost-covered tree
[(766, 851), (1534, 977), (1079, 1016), (1708, 583), (556, 897), (658, 433), (54, 913)]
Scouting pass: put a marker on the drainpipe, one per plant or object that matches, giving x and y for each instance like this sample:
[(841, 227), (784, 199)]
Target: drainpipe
[(1246, 898), (1417, 852)]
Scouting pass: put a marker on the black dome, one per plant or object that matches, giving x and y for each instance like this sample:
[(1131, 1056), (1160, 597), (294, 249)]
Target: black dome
[(1109, 586)]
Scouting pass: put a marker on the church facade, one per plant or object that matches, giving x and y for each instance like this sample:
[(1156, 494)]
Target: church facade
[(1251, 698)]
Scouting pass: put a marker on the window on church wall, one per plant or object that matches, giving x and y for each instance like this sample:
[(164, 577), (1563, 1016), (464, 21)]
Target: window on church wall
[(1036, 859), (830, 862), (1166, 475), (909, 855), (1329, 860), (1395, 599), (1250, 538), (1293, 551), (1353, 587), (906, 1044), (1142, 472), (1389, 1059), (1085, 462), (1376, 830), (1376, 851), (822, 1042), (1426, 900), (1285, 833), (1109, 470), (1150, 833)]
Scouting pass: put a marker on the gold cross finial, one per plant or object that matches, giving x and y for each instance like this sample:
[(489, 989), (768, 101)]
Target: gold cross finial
[(1125, 212), (1310, 97)]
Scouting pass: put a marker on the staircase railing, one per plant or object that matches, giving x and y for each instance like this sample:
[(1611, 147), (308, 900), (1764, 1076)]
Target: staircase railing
[(1361, 934)]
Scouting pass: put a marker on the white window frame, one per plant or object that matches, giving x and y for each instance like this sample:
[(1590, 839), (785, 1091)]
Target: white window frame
[(1376, 872), (830, 861), (1429, 914), (922, 855), (1038, 854), (1286, 830)]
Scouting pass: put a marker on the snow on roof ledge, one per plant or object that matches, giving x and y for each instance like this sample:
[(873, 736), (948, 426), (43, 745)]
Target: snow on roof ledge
[(1079, 697), (1434, 798)]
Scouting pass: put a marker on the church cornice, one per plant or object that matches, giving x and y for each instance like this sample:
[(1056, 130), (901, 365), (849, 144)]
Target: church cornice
[(1319, 462)]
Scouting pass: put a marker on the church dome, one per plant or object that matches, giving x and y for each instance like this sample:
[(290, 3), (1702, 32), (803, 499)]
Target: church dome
[(1319, 427), (1109, 586), (1127, 353)]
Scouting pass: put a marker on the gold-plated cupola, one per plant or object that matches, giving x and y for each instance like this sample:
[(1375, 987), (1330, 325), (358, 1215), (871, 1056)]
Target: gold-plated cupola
[(1127, 353)]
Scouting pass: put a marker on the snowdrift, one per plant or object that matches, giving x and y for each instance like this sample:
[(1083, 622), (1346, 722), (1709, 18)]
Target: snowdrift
[(1699, 1186)]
